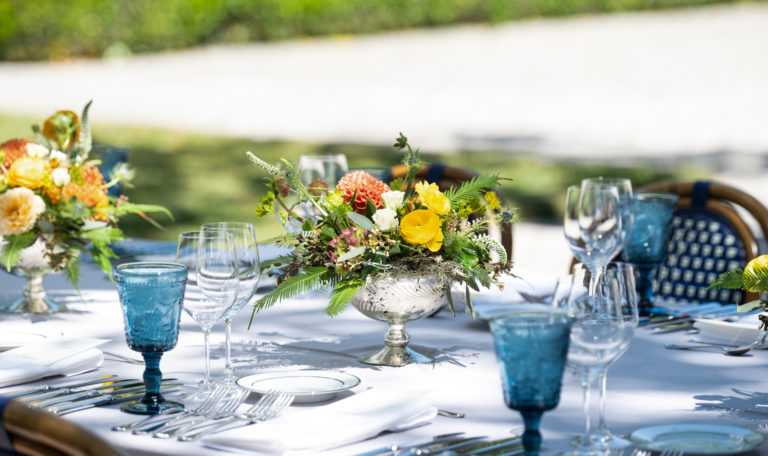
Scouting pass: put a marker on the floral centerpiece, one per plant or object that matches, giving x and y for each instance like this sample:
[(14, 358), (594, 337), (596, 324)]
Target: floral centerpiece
[(54, 202), (365, 230), (754, 278)]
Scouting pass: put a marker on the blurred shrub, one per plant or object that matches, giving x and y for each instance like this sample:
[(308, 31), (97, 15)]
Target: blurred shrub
[(58, 29)]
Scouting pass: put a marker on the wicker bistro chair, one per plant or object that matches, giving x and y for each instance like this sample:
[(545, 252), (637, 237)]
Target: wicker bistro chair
[(31, 431), (709, 236), (446, 177)]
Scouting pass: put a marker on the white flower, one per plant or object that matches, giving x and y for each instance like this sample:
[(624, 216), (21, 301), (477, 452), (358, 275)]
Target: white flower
[(123, 173), (385, 219), (60, 177), (393, 199), (58, 156), (36, 150)]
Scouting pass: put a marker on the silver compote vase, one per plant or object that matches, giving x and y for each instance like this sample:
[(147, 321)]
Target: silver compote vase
[(33, 265), (397, 301)]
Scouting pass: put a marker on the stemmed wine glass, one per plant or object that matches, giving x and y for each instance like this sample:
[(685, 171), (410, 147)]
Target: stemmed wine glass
[(531, 348), (213, 279), (624, 188), (151, 299), (603, 326), (592, 225), (244, 238)]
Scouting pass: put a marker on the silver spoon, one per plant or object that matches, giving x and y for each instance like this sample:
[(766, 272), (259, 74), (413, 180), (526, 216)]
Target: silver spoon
[(732, 351)]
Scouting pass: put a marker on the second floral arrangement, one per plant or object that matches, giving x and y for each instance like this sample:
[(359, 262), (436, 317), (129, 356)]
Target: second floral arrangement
[(364, 228)]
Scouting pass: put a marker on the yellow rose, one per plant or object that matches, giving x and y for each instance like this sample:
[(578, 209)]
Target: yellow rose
[(422, 227), (761, 263), (433, 198), (19, 209), (29, 172)]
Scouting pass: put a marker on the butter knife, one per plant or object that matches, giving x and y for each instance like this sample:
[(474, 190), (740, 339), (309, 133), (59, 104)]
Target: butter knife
[(392, 449), (105, 399), (77, 395), (71, 390), (435, 447), (47, 387)]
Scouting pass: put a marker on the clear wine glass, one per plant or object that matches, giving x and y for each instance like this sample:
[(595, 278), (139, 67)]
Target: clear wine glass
[(531, 348), (624, 188), (244, 238), (619, 284), (600, 333), (151, 299), (212, 283)]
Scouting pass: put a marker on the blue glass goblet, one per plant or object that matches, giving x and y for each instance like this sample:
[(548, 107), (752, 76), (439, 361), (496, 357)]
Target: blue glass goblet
[(531, 348), (151, 299), (647, 246)]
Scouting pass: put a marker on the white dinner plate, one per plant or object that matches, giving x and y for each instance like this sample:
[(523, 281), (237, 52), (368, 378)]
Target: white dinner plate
[(307, 385), (695, 439), (10, 339)]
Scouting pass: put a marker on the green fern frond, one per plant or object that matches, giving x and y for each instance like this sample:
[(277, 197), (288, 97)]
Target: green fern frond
[(309, 280), (276, 263), (492, 245), (341, 295), (729, 279), (471, 189), (283, 240)]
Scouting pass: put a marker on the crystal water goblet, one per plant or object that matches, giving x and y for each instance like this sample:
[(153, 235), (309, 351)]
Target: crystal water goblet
[(151, 300), (244, 237), (648, 240), (603, 325), (531, 348), (624, 188), (619, 279), (212, 283), (592, 226)]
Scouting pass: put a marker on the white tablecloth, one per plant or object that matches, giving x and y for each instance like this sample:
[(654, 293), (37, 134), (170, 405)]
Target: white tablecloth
[(649, 385)]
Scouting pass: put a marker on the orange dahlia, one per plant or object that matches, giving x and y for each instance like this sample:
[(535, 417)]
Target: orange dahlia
[(367, 188), (14, 149), (91, 193)]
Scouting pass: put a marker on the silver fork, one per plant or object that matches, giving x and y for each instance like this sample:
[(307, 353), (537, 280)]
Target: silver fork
[(671, 452), (268, 407), (231, 403), (151, 423)]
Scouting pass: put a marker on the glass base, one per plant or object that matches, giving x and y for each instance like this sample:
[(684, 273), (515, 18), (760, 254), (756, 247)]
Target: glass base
[(603, 441), (39, 306), (395, 356), (140, 408)]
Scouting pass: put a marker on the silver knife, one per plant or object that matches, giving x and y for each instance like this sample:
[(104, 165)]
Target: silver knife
[(430, 449), (69, 390), (487, 447), (48, 387), (105, 399), (391, 449), (77, 395)]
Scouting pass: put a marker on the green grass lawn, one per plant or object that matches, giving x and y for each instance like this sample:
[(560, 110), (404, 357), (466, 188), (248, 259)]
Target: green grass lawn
[(203, 178)]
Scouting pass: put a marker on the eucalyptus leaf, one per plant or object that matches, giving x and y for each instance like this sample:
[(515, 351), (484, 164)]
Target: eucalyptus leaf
[(750, 306), (361, 220), (357, 251), (14, 244)]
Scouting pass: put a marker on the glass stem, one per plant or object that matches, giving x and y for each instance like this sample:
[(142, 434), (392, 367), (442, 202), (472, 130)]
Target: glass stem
[(602, 425), (585, 439), (645, 289), (531, 436), (595, 273), (228, 347), (152, 379), (207, 355)]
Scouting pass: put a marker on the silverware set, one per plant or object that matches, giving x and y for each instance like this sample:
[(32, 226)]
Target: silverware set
[(216, 414), (71, 397)]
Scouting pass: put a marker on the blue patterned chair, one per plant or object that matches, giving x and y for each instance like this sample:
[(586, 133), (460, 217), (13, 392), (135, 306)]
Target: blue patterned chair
[(710, 235)]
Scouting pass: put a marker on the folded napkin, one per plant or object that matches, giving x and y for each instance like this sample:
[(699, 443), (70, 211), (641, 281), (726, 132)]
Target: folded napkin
[(49, 358), (350, 420), (741, 332)]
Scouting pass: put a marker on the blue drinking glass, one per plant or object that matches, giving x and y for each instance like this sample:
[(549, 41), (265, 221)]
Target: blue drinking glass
[(151, 297), (531, 348), (648, 240)]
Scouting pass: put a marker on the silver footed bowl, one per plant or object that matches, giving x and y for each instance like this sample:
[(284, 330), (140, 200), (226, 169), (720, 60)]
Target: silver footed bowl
[(396, 302)]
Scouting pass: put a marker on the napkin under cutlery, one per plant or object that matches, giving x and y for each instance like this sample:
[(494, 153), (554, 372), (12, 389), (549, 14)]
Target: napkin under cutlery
[(48, 358), (309, 430)]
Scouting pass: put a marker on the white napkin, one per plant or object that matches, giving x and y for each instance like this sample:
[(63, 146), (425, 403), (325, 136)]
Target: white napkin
[(741, 332), (49, 358), (350, 420)]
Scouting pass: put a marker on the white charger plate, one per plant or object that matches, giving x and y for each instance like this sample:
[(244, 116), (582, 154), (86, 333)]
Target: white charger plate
[(306, 385), (697, 439), (11, 339)]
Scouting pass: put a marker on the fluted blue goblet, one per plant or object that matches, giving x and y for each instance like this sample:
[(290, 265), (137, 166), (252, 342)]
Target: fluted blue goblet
[(151, 299), (531, 348), (647, 246)]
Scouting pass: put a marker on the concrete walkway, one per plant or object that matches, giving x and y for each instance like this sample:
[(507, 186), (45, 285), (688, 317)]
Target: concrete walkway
[(685, 84)]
